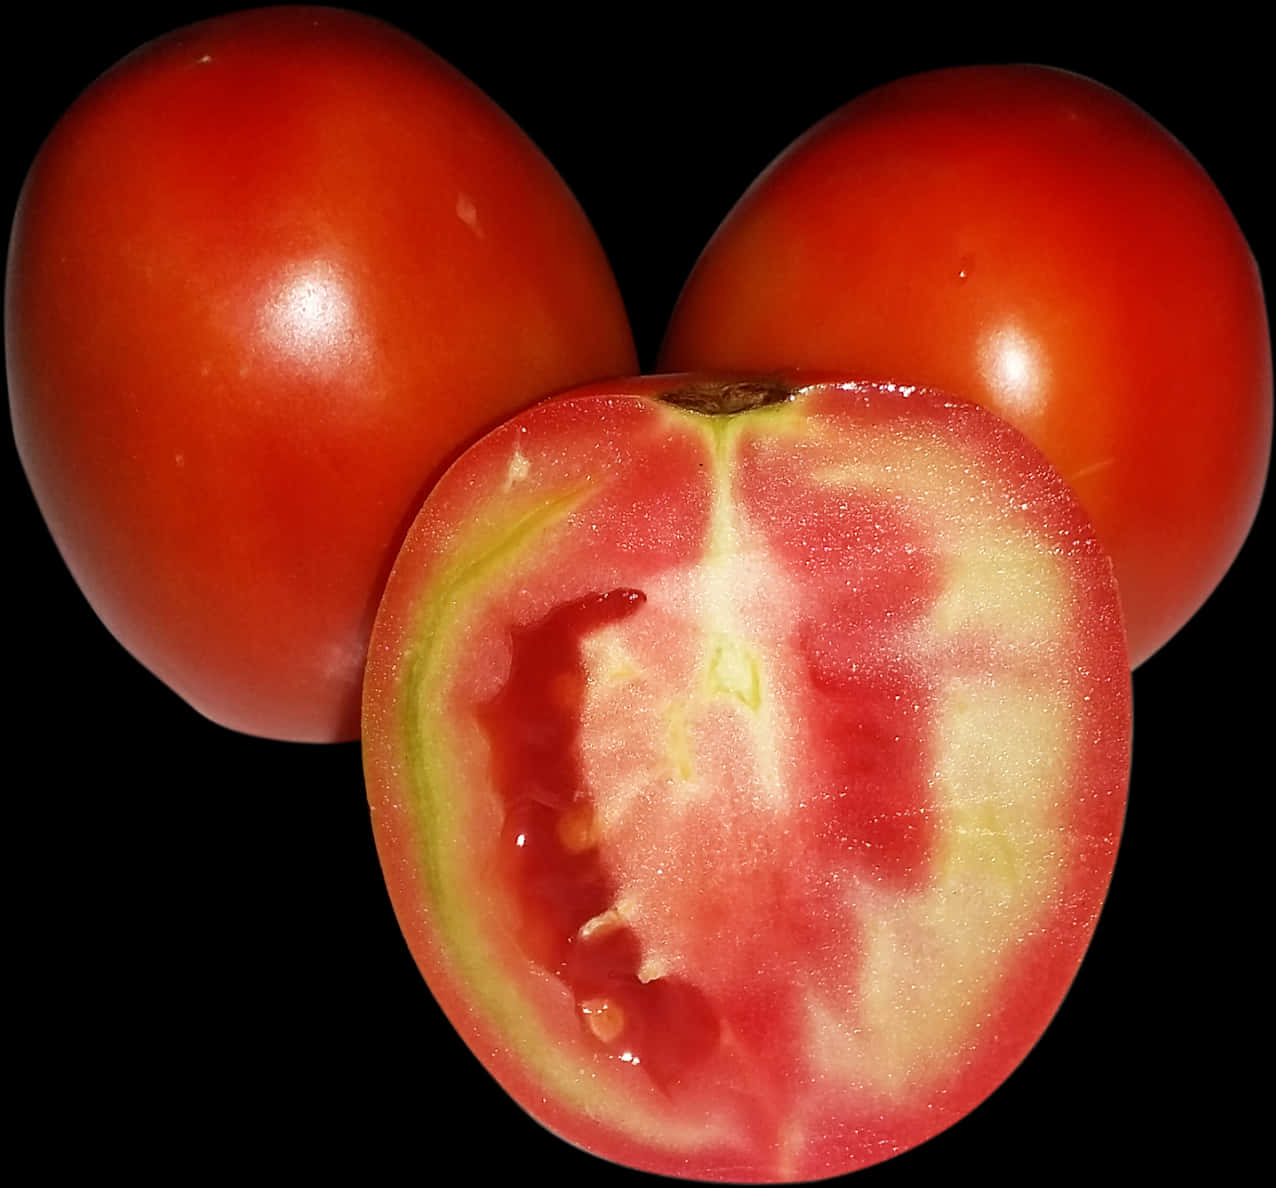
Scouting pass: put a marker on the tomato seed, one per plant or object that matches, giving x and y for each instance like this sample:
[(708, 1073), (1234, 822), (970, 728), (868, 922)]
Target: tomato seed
[(603, 1017)]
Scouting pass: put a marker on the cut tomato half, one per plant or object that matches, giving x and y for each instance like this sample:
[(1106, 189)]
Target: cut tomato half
[(747, 763)]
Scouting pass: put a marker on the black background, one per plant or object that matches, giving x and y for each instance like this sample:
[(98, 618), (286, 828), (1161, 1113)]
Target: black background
[(198, 930)]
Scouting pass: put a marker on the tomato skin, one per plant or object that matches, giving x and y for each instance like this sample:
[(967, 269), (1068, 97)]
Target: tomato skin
[(1030, 240), (602, 491), (267, 276)]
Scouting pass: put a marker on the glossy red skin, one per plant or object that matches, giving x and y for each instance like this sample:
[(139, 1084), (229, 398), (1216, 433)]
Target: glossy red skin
[(440, 846), (1029, 240), (267, 276)]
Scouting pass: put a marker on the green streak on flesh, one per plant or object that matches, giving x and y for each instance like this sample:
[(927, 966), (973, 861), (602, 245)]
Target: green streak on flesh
[(436, 632)]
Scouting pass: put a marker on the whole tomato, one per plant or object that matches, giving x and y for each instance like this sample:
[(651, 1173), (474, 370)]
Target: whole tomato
[(1033, 241), (267, 275)]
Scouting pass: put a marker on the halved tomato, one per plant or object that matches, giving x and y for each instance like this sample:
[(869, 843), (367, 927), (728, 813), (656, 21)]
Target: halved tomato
[(747, 764)]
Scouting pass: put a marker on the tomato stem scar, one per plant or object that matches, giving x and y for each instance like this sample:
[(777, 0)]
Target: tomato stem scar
[(725, 397)]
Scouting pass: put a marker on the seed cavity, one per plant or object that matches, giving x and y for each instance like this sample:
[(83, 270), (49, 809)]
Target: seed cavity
[(569, 916)]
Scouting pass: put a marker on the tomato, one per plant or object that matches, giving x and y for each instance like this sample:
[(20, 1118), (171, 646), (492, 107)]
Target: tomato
[(747, 764), (1030, 240), (267, 276)]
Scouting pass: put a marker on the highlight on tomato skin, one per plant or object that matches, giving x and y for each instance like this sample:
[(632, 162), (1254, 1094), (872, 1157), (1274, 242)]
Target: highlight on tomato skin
[(268, 274), (1028, 239), (747, 763)]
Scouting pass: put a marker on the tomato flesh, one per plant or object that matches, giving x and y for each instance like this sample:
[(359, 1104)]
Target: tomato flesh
[(748, 785)]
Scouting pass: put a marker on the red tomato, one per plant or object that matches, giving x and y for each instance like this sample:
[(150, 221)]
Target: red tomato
[(747, 764), (1032, 241), (267, 276)]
